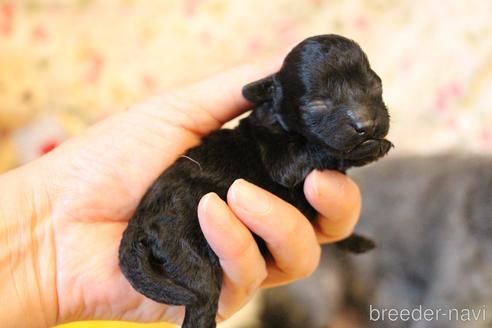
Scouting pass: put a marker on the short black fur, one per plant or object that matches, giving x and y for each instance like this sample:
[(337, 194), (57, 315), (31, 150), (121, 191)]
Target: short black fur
[(322, 110)]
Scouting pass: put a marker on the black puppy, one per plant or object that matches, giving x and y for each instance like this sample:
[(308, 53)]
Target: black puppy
[(322, 110)]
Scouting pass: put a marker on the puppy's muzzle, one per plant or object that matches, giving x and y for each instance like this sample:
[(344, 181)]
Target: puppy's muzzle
[(370, 149)]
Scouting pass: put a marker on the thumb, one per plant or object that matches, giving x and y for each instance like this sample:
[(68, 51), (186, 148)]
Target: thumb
[(128, 150), (204, 106)]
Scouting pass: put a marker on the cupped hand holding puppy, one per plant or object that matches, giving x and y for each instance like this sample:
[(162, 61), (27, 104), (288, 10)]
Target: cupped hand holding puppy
[(62, 216)]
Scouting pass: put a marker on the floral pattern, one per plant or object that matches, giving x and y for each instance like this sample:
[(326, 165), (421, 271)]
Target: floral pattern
[(67, 64)]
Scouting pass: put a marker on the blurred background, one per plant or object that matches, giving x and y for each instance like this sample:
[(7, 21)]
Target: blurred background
[(67, 64)]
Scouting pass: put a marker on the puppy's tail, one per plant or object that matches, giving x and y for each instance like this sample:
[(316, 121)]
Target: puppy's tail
[(136, 263)]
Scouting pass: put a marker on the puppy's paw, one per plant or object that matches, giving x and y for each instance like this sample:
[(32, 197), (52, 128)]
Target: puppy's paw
[(356, 244)]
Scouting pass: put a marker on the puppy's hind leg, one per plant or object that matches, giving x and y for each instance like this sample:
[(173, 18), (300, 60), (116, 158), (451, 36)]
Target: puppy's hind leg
[(137, 263), (201, 315), (176, 273)]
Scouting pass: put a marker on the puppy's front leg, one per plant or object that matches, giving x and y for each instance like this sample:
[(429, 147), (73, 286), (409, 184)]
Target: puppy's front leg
[(356, 243)]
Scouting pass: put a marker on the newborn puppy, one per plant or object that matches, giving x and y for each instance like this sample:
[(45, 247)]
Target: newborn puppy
[(322, 110)]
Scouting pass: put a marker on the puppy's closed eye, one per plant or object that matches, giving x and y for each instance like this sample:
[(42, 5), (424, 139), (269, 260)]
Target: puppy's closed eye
[(317, 105)]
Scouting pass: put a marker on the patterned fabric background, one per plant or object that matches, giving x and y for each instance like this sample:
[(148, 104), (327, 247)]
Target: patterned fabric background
[(67, 64)]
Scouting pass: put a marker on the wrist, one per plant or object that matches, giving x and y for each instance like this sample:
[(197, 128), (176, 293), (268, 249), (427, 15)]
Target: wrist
[(28, 294)]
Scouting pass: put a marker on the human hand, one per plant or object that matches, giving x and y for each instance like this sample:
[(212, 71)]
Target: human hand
[(91, 185)]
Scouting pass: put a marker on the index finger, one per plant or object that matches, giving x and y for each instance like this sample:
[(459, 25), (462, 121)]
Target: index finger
[(337, 199), (288, 235)]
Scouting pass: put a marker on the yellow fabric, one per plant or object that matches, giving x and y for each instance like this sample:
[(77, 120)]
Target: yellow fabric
[(114, 324)]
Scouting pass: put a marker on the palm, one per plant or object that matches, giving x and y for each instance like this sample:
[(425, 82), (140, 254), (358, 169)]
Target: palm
[(94, 215), (100, 180)]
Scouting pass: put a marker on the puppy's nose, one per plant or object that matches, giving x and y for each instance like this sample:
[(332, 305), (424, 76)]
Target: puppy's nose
[(364, 127)]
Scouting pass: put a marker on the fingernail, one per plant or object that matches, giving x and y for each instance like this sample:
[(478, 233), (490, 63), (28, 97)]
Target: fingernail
[(314, 185), (332, 182), (247, 196), (214, 208)]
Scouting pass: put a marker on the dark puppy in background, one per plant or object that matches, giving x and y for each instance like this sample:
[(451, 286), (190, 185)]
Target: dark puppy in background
[(433, 219), (322, 110)]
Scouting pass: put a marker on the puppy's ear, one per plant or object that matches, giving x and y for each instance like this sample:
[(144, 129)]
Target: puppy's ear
[(259, 91)]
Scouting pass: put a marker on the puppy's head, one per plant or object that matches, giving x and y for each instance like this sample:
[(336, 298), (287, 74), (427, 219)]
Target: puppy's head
[(327, 92)]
